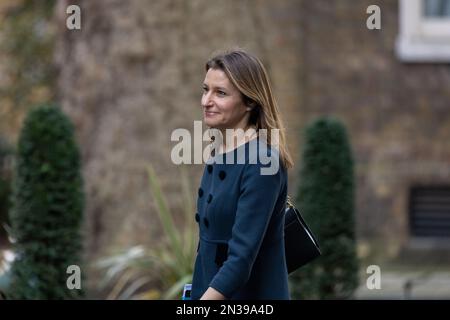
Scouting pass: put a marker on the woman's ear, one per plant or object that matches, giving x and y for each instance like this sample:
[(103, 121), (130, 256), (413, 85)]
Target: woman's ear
[(251, 105)]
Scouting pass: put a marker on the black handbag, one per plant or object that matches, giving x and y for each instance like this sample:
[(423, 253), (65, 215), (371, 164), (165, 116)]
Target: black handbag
[(301, 247)]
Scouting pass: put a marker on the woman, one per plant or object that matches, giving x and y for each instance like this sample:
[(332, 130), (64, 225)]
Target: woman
[(240, 207)]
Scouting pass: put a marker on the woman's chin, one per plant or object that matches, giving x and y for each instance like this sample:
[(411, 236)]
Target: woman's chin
[(209, 123)]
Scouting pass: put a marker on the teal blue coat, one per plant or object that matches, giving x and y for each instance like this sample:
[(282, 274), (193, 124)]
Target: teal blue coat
[(241, 227)]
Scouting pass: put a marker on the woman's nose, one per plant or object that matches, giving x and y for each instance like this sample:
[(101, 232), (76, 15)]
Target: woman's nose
[(206, 99)]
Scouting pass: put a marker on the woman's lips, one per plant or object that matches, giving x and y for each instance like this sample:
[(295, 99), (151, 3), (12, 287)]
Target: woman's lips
[(210, 113)]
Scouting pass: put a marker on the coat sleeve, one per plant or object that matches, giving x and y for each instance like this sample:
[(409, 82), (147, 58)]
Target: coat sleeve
[(258, 197)]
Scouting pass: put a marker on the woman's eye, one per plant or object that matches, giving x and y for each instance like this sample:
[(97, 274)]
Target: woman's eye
[(221, 93)]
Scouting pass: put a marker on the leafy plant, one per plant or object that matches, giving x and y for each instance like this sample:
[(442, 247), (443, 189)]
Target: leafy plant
[(28, 46), (137, 271), (326, 195), (47, 210)]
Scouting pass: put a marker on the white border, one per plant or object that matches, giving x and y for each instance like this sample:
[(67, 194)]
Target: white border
[(420, 39)]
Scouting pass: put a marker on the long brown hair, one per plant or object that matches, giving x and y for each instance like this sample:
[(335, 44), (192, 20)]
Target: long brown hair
[(248, 75)]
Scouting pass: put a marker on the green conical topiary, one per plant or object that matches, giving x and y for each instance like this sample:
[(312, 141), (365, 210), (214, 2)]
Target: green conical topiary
[(47, 210), (326, 198)]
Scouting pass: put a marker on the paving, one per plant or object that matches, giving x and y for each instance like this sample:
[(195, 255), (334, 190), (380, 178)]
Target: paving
[(405, 285)]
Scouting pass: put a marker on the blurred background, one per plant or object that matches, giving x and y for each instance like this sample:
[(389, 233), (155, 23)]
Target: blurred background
[(133, 73)]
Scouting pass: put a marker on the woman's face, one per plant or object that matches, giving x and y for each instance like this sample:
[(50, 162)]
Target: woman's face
[(222, 103)]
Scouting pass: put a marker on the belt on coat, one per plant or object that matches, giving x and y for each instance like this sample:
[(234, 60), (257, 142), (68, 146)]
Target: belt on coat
[(221, 250)]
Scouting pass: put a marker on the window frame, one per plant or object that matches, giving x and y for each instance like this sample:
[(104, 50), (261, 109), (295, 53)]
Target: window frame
[(421, 39)]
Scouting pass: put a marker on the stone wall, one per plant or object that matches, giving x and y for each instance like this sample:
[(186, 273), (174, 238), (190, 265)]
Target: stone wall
[(397, 114), (133, 74)]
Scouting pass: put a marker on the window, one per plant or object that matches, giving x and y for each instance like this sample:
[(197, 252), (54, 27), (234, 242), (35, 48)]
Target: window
[(424, 31), (430, 211), (436, 8)]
